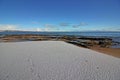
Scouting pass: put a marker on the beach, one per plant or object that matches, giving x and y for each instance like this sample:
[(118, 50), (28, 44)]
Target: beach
[(55, 60), (60, 40), (99, 44), (109, 51)]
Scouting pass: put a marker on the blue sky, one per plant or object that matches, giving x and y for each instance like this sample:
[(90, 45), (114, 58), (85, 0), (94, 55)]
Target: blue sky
[(60, 15)]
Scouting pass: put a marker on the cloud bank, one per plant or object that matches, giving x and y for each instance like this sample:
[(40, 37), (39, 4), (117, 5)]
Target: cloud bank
[(52, 27), (8, 27)]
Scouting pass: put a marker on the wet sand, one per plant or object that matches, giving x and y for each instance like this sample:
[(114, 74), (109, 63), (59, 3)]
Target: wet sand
[(109, 51)]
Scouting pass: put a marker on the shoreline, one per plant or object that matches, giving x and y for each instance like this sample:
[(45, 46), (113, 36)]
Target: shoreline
[(115, 52), (109, 51), (97, 44)]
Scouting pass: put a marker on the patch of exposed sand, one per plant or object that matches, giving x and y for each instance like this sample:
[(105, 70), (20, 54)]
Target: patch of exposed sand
[(110, 51)]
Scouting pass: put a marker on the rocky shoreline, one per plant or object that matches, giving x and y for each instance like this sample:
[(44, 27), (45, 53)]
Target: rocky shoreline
[(86, 42)]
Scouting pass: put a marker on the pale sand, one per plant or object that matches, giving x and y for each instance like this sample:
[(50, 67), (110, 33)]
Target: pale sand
[(55, 60)]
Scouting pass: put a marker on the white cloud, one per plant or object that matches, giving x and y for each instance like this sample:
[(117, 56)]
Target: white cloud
[(39, 29), (8, 27), (50, 27), (80, 25)]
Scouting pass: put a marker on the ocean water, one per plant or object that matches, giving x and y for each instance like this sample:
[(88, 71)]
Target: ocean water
[(87, 33)]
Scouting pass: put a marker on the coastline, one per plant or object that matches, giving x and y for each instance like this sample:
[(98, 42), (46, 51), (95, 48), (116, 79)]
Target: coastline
[(97, 44)]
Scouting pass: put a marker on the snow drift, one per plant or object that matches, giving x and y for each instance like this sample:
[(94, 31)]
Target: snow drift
[(55, 60)]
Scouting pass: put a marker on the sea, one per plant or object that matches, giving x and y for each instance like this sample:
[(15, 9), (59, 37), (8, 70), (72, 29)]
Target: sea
[(114, 35)]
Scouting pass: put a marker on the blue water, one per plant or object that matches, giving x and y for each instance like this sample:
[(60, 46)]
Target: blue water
[(90, 33)]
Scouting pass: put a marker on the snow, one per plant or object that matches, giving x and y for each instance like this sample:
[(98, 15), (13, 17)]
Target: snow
[(55, 60)]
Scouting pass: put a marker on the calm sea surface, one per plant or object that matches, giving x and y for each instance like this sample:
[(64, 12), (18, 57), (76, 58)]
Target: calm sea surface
[(92, 33)]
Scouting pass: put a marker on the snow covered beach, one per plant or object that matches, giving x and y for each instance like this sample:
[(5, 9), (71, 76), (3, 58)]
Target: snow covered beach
[(55, 60)]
